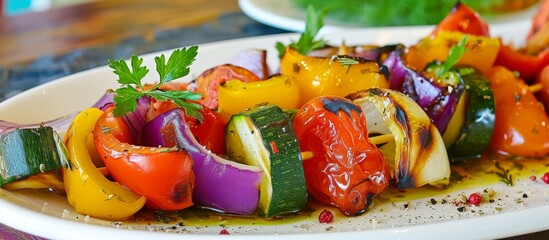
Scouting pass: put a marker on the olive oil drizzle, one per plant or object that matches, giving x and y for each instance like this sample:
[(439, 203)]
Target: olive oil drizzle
[(486, 171)]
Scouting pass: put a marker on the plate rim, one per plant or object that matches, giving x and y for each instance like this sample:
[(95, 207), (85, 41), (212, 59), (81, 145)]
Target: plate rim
[(7, 208)]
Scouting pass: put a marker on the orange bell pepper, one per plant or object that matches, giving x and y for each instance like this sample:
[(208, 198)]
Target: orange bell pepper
[(481, 51), (522, 126)]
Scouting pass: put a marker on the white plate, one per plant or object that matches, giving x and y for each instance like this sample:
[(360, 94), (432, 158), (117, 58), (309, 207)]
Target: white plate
[(52, 217), (284, 15)]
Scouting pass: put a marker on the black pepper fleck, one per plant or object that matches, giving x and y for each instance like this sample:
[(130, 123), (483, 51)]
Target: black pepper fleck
[(461, 209), (525, 195)]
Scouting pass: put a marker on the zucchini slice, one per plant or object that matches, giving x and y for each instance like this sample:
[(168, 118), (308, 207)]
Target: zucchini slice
[(263, 136), (25, 152), (477, 116)]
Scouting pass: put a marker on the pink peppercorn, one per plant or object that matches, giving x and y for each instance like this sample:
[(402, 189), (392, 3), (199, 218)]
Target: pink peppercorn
[(224, 232), (545, 178), (475, 199), (325, 216)]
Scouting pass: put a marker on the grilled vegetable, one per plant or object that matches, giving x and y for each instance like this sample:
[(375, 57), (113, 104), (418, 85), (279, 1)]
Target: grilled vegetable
[(254, 60), (163, 175), (521, 127), (463, 19), (481, 51), (470, 129), (25, 152), (438, 97), (220, 184), (209, 131), (346, 170), (88, 191), (263, 136), (419, 154), (236, 96), (48, 180), (336, 75), (208, 82)]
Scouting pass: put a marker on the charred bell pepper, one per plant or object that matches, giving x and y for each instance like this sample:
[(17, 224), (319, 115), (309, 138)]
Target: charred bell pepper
[(336, 75), (235, 95), (346, 170), (522, 125), (417, 155), (463, 19), (88, 191), (163, 175)]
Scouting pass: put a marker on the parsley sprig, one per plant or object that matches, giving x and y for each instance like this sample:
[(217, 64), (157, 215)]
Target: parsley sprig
[(132, 88), (454, 55), (306, 42)]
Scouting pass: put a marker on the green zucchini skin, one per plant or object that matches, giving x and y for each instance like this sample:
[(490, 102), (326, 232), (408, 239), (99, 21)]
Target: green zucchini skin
[(289, 191), (480, 116), (25, 152)]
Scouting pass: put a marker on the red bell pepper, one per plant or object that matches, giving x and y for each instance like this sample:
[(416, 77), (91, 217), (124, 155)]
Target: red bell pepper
[(463, 19), (163, 175), (347, 170), (528, 66)]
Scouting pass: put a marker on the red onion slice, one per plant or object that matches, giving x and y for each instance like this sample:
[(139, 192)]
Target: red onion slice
[(220, 184), (437, 101)]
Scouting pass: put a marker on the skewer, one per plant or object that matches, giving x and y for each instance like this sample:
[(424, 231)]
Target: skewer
[(377, 140), (535, 87)]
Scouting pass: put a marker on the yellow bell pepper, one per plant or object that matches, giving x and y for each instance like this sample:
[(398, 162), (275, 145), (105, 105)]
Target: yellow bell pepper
[(235, 95), (88, 191), (481, 51), (453, 129), (338, 76)]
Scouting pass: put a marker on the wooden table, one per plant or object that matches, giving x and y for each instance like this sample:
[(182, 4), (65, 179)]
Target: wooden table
[(25, 37), (51, 38)]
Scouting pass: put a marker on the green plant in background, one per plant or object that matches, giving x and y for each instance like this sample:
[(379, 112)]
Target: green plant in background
[(393, 12)]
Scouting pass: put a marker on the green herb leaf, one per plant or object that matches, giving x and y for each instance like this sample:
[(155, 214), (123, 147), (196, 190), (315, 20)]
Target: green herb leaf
[(127, 76), (454, 55), (504, 175), (178, 65), (345, 61), (306, 42)]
